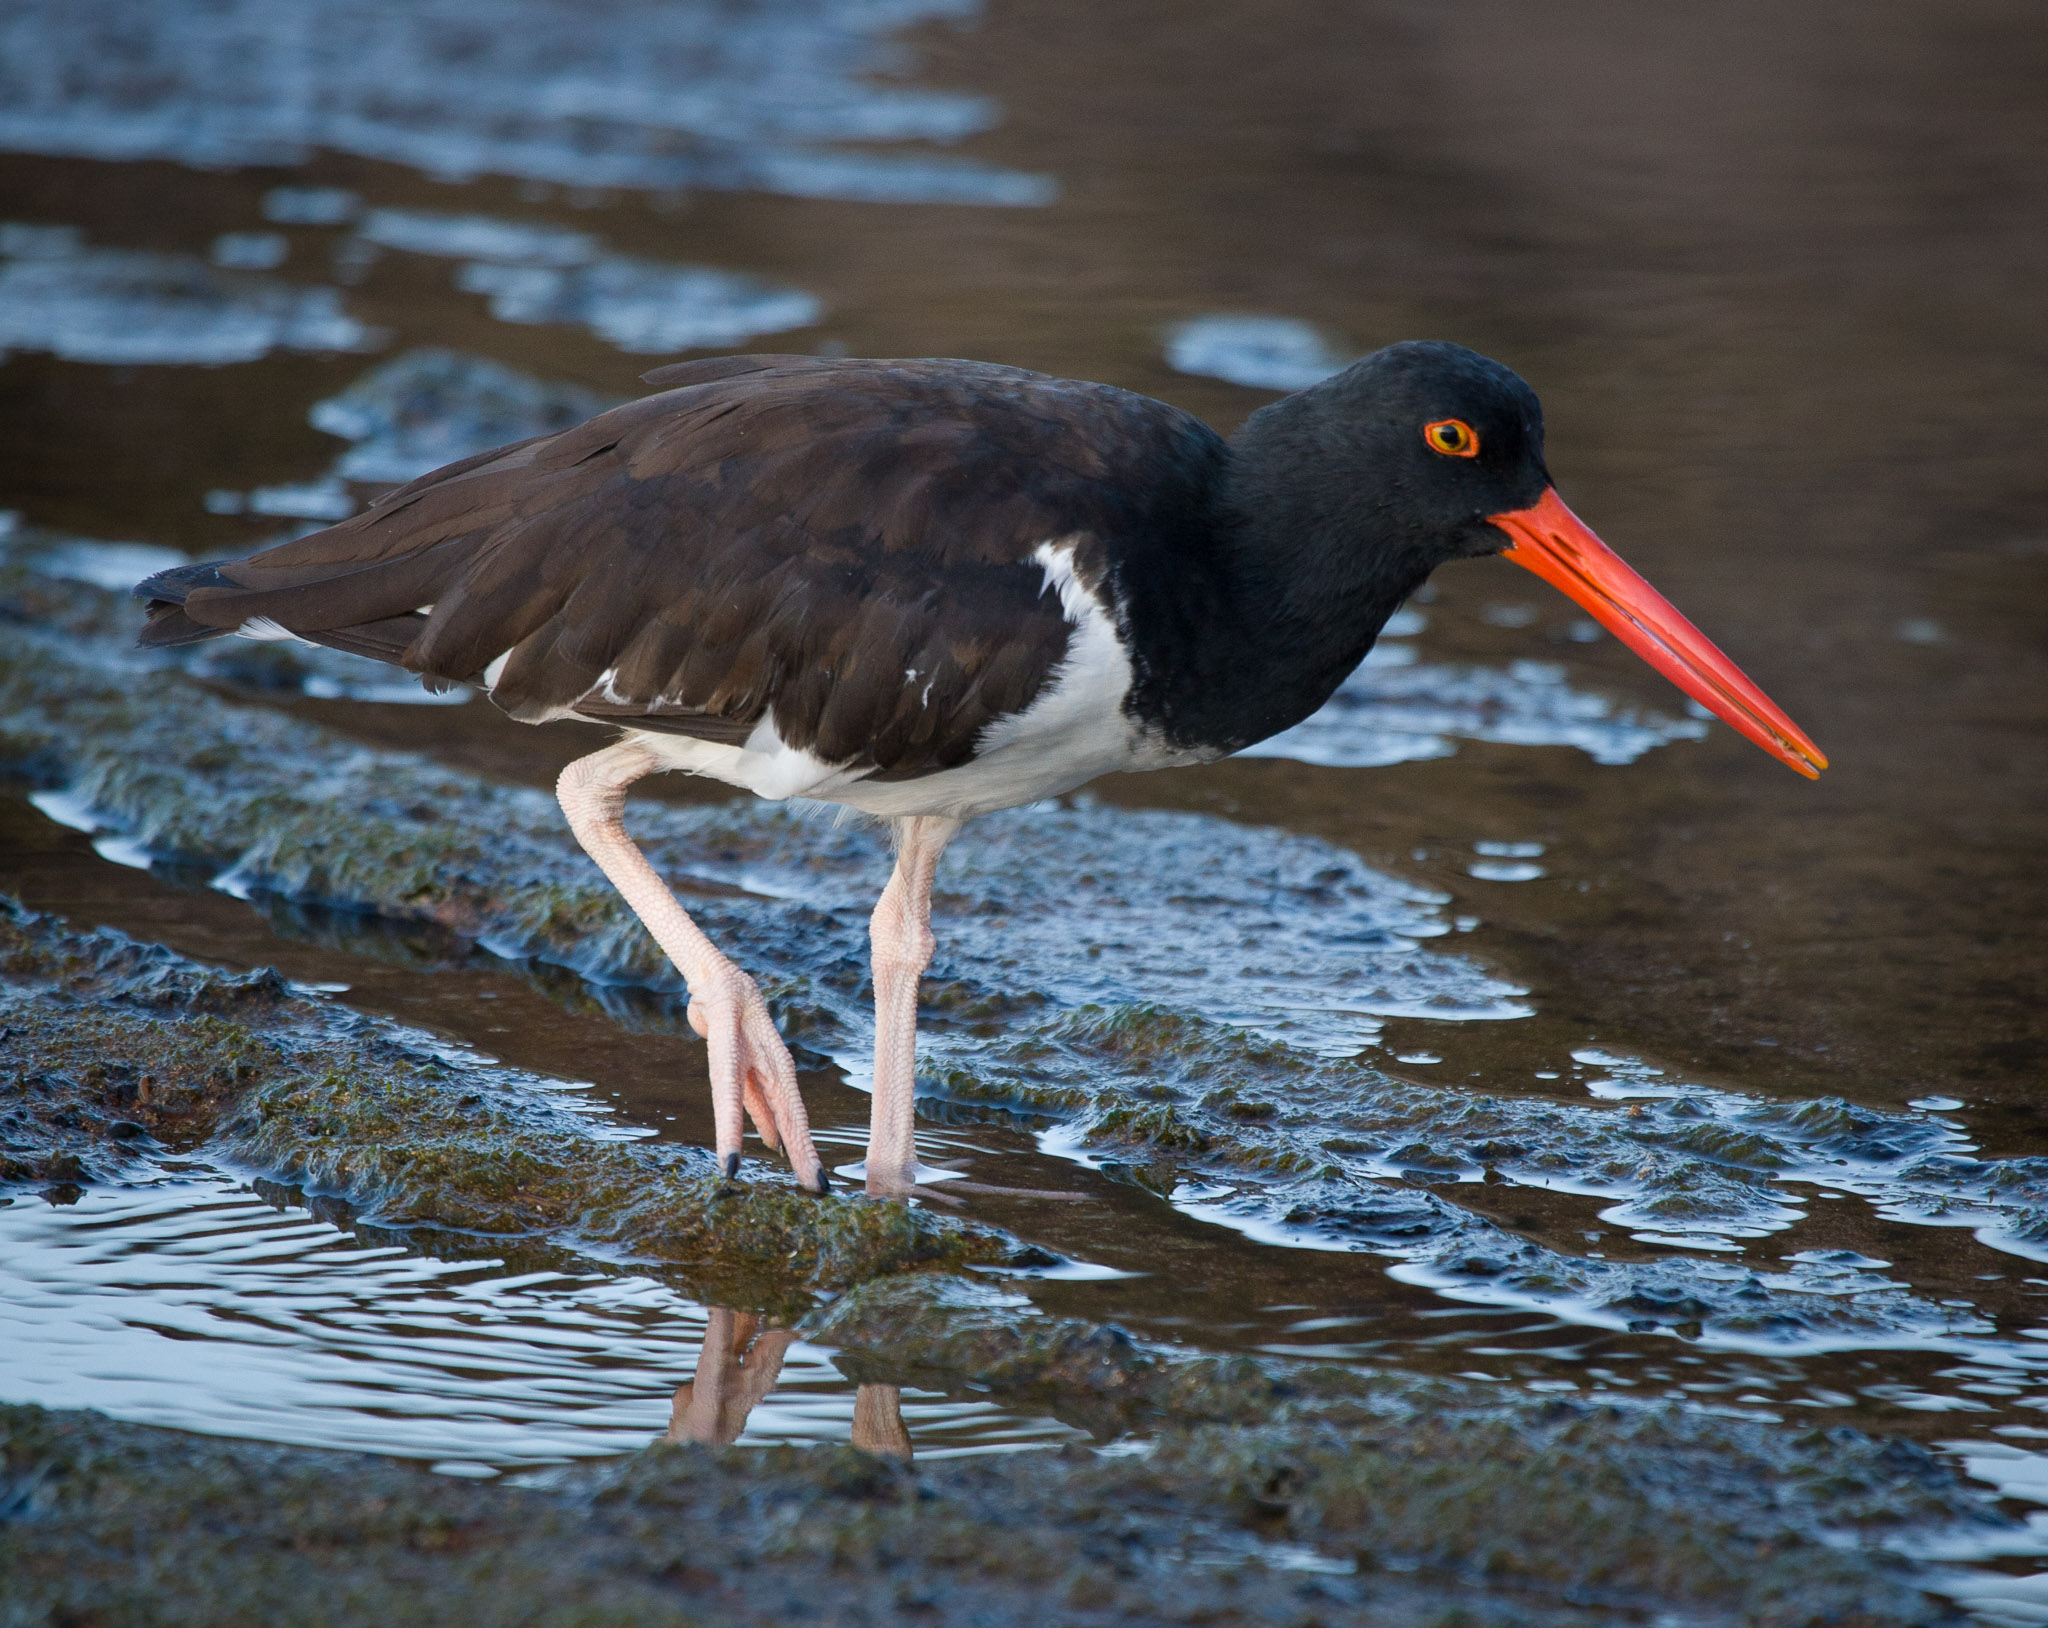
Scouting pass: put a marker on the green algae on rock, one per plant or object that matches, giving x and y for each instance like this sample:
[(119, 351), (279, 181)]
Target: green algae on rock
[(1620, 1500), (112, 1049)]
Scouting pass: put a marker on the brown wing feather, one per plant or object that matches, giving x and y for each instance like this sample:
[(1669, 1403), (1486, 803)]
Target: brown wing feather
[(849, 543)]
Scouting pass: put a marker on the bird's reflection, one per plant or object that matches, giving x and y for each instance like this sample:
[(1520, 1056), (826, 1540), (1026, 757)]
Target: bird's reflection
[(739, 1365), (878, 1425)]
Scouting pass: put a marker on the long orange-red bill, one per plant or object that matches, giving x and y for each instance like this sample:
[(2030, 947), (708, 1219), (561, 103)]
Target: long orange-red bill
[(1558, 546)]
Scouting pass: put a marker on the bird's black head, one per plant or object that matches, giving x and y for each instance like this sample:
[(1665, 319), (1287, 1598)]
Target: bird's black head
[(1345, 496), (1406, 453)]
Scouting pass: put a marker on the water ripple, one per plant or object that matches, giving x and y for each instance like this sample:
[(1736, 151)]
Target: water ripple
[(198, 1305)]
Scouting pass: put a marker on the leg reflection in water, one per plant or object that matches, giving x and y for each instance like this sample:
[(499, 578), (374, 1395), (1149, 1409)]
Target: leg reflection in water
[(738, 1366), (878, 1425)]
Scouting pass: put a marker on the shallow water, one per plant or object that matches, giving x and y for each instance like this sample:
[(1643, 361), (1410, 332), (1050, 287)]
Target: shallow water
[(194, 1302), (1781, 351), (641, 95), (85, 303)]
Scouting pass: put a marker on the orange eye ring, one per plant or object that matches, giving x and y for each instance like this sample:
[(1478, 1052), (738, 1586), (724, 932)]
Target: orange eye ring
[(1453, 437)]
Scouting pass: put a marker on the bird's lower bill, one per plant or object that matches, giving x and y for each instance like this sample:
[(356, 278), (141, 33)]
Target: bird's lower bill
[(1559, 547)]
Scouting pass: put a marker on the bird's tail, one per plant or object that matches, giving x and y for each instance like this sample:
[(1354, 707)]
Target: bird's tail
[(164, 595), (360, 606), (362, 586)]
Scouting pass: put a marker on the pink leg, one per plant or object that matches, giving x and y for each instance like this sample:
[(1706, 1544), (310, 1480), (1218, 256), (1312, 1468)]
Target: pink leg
[(750, 1067), (901, 933)]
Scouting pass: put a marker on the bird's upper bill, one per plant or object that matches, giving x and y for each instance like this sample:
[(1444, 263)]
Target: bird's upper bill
[(1559, 547)]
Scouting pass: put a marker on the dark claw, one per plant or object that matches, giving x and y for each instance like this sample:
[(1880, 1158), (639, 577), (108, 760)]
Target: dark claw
[(824, 1182), (732, 1165)]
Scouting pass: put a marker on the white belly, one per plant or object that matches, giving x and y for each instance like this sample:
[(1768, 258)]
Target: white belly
[(1074, 731)]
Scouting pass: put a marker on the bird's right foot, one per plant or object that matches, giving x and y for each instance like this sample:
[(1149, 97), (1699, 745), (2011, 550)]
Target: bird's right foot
[(752, 1075)]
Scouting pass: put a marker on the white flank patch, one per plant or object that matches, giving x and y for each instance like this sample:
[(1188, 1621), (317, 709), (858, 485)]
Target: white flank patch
[(763, 764), (496, 669), (1078, 718), (1075, 730), (776, 770)]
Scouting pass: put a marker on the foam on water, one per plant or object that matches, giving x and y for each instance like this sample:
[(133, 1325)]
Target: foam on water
[(310, 206), (430, 407), (1264, 353), (1279, 935), (116, 567), (1689, 1166), (1396, 709), (249, 251), (287, 667), (140, 306), (643, 306), (195, 1304), (325, 499), (658, 94), (2020, 1475), (536, 273), (479, 237)]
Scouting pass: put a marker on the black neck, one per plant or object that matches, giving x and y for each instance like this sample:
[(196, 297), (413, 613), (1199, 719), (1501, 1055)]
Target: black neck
[(1247, 608)]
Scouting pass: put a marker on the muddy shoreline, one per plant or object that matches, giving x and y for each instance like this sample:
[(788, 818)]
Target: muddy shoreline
[(1294, 1522)]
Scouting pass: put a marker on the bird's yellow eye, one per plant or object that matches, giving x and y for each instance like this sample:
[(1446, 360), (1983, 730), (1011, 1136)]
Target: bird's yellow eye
[(1453, 437)]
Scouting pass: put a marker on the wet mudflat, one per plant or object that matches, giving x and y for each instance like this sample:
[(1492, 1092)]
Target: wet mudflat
[(1504, 1029)]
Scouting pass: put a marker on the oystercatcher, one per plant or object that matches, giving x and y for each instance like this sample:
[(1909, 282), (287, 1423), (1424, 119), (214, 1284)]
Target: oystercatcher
[(927, 590)]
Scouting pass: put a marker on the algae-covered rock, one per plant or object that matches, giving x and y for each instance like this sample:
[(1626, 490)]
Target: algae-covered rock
[(1596, 1503), (111, 1049), (956, 1334), (965, 1332), (1615, 1500), (1341, 1154), (1558, 1518)]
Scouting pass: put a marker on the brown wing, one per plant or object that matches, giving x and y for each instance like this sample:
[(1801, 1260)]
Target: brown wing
[(849, 543)]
